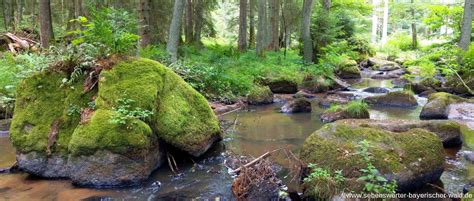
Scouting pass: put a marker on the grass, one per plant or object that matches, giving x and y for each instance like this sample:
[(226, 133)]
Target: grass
[(356, 108)]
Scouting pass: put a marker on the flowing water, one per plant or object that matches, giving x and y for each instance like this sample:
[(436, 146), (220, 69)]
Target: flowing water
[(253, 131)]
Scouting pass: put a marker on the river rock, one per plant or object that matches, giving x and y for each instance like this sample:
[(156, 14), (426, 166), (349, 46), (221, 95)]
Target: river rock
[(400, 82), (376, 90), (456, 86), (58, 134), (343, 113), (303, 94), (5, 124), (438, 103), (382, 65), (260, 95), (412, 158), (337, 98), (296, 106), (389, 74), (316, 84), (393, 99), (282, 85), (348, 70), (448, 131)]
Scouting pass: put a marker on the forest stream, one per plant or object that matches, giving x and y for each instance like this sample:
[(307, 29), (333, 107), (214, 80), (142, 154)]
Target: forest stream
[(255, 130)]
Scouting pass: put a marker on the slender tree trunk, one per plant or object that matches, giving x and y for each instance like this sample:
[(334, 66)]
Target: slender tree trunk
[(198, 20), (71, 15), (46, 25), (327, 5), (413, 27), (274, 20), (188, 27), (8, 14), (174, 33), (144, 22), (252, 24), (375, 20), (306, 31), (243, 26), (268, 28), (385, 22), (466, 28), (261, 28), (20, 4)]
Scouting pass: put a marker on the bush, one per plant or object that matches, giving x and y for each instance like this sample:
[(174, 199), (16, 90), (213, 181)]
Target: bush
[(401, 41), (357, 108), (468, 59)]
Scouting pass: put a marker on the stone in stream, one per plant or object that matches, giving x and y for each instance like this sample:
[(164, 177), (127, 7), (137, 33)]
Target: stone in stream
[(282, 85), (438, 104), (427, 84), (297, 105), (448, 131), (5, 124), (348, 69), (382, 65), (343, 113), (260, 95), (336, 98), (376, 90), (400, 82), (412, 158), (389, 74), (57, 134), (393, 99)]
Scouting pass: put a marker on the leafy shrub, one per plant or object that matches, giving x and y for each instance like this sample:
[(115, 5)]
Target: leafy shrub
[(468, 59), (321, 183), (124, 113), (356, 108), (362, 47), (401, 41)]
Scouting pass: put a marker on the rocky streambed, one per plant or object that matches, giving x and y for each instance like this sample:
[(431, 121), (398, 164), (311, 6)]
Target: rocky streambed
[(254, 130)]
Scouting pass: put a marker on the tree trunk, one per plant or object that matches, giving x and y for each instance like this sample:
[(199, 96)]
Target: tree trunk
[(327, 4), (375, 20), (261, 28), (385, 22), (46, 25), (413, 27), (188, 26), (144, 22), (78, 11), (252, 24), (306, 31), (466, 28), (243, 26), (20, 4), (274, 19), (71, 15), (8, 14), (174, 33), (198, 20)]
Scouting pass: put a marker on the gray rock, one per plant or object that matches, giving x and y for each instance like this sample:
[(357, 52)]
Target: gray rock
[(393, 99), (376, 90), (296, 106)]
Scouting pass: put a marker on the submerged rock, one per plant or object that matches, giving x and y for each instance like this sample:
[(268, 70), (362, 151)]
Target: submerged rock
[(393, 99), (57, 133), (438, 103), (260, 95), (297, 105), (348, 70), (376, 90), (412, 158), (449, 132)]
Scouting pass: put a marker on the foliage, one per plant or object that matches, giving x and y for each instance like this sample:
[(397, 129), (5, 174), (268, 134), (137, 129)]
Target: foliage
[(439, 15), (468, 60), (332, 182), (124, 114), (374, 181), (401, 41), (356, 108), (111, 30), (334, 108)]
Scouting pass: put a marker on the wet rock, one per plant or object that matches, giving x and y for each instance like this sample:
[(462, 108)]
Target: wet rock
[(462, 111), (376, 90), (438, 103), (5, 124), (327, 117), (468, 155), (427, 93), (400, 82), (456, 86), (382, 65), (283, 86), (316, 84), (55, 138), (348, 70), (260, 95), (449, 132), (412, 158), (428, 84), (296, 106), (389, 74), (303, 94), (393, 99), (336, 98), (282, 98)]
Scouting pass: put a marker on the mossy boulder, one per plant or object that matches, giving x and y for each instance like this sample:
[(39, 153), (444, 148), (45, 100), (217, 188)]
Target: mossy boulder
[(282, 85), (412, 158), (260, 95), (393, 99), (427, 84), (348, 69), (456, 86), (382, 65), (336, 98), (437, 105), (297, 105), (316, 84), (376, 90), (449, 132), (57, 132), (344, 113)]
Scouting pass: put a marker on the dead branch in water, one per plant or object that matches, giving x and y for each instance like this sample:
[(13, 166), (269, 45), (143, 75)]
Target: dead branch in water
[(265, 155), (172, 163)]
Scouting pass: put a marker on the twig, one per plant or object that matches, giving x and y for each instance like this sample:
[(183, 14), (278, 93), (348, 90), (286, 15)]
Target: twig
[(230, 111), (265, 155), (170, 164), (463, 83)]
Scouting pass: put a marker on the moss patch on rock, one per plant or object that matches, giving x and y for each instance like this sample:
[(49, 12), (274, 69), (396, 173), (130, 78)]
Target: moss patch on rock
[(348, 69), (404, 156), (437, 104), (260, 95), (393, 99)]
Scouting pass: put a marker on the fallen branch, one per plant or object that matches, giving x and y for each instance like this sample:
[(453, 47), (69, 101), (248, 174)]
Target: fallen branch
[(265, 155), (469, 90)]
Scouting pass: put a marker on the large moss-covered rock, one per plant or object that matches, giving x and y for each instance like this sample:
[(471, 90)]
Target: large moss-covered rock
[(58, 132), (437, 105), (393, 99), (260, 95), (282, 85), (412, 158), (348, 70)]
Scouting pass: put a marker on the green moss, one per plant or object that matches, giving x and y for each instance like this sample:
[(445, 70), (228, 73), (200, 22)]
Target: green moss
[(431, 82), (333, 147), (349, 66), (40, 102), (260, 95), (468, 136), (100, 134)]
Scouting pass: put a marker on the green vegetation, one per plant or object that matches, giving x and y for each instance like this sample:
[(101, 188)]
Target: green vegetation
[(124, 113), (321, 183), (357, 108)]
